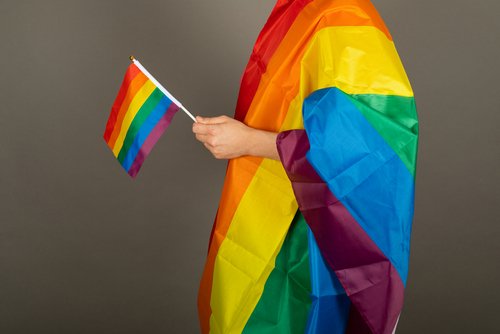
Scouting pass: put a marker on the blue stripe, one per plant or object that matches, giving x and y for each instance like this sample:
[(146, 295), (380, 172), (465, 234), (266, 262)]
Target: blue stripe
[(330, 305), (362, 171), (146, 128)]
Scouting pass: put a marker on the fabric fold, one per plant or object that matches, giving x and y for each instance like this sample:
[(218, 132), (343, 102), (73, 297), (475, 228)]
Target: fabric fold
[(371, 282)]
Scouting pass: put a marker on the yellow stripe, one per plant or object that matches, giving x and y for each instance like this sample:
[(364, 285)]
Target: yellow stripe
[(247, 254), (137, 102), (358, 60), (382, 71)]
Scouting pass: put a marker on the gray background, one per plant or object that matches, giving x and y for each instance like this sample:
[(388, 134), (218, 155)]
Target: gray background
[(83, 249)]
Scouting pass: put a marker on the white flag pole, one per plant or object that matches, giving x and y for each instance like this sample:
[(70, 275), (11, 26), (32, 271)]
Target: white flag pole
[(163, 90)]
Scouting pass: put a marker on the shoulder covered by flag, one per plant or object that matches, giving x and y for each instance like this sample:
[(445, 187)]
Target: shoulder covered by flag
[(142, 111)]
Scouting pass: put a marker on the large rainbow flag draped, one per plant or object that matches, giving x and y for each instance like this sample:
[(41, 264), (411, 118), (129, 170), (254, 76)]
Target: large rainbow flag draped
[(319, 241), (141, 113)]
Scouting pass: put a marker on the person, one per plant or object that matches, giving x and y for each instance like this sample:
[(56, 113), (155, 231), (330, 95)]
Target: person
[(313, 227)]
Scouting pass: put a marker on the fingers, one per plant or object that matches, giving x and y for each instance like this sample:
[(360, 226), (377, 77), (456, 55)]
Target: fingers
[(208, 125), (202, 138), (205, 129), (208, 139), (212, 120), (209, 147), (215, 152), (210, 144), (208, 131)]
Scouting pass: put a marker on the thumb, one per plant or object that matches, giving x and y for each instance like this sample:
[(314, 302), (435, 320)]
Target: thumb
[(211, 120)]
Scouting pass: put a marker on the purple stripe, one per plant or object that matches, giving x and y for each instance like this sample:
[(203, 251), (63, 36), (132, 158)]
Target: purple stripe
[(368, 276), (153, 137)]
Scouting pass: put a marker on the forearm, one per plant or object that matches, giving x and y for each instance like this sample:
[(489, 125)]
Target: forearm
[(263, 144)]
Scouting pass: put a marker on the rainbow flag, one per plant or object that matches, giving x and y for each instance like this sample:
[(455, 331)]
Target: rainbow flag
[(319, 241), (142, 111)]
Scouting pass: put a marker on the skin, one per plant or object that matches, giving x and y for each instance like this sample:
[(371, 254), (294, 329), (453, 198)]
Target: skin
[(227, 138)]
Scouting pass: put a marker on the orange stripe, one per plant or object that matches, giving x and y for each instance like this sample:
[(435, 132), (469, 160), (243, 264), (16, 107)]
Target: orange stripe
[(279, 22), (342, 13), (132, 72), (286, 72), (135, 86)]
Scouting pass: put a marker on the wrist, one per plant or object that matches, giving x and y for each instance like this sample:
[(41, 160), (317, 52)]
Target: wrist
[(262, 143), (252, 140)]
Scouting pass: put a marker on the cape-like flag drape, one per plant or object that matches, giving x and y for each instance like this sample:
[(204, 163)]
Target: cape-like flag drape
[(317, 242), (139, 116)]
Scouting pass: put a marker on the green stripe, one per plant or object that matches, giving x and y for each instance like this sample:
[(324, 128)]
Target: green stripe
[(285, 303), (139, 119), (398, 124)]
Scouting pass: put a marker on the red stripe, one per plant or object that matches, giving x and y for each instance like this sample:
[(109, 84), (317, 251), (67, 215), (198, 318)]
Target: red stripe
[(131, 73), (272, 34), (277, 26)]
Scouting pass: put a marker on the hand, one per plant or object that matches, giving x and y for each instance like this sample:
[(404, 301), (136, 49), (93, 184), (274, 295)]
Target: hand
[(227, 138), (224, 137)]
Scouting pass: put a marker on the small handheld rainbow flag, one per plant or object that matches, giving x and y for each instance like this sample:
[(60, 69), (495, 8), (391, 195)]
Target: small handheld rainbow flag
[(142, 111)]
